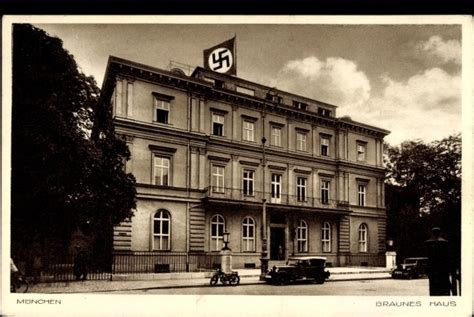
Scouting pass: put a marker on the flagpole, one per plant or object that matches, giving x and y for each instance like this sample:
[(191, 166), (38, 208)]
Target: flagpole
[(235, 53)]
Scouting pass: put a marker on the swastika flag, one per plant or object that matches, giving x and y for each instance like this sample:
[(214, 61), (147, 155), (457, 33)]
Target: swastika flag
[(222, 58)]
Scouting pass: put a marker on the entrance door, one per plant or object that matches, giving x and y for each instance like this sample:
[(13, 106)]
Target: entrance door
[(277, 243)]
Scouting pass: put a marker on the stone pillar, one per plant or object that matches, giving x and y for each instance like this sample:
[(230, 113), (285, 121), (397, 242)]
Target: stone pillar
[(391, 259), (194, 167), (202, 168), (235, 192), (202, 116), (235, 124), (226, 260)]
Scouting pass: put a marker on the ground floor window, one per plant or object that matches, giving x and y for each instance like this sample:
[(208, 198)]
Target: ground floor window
[(248, 235), (302, 236), (161, 230), (217, 231), (363, 237), (326, 237)]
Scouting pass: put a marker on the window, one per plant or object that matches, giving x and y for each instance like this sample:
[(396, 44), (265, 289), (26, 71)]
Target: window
[(248, 131), (301, 188), (361, 195), (361, 151), (301, 141), (217, 124), (326, 237), (324, 192), (302, 236), (162, 109), (363, 238), (161, 230), (217, 230), (248, 235), (248, 182), (209, 80), (244, 90), (118, 98), (324, 112), (219, 83), (324, 146), (300, 105), (276, 188), (275, 136), (129, 98), (217, 179), (274, 98), (161, 170)]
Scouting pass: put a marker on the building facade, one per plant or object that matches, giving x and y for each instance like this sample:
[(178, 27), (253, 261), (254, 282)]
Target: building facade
[(210, 150)]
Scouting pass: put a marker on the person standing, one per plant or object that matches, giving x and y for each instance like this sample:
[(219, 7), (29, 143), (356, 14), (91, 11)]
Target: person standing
[(81, 266), (438, 264)]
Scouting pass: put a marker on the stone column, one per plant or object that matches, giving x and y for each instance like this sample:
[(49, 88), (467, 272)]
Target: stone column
[(202, 168), (235, 193), (226, 260), (391, 259)]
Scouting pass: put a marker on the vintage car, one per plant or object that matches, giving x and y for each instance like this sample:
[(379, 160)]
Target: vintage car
[(309, 268), (411, 268)]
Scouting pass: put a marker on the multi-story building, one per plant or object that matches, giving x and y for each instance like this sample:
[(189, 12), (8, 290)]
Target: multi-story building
[(209, 150)]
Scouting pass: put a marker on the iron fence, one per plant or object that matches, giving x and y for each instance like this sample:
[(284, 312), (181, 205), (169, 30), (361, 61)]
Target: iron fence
[(61, 268), (164, 262), (374, 260)]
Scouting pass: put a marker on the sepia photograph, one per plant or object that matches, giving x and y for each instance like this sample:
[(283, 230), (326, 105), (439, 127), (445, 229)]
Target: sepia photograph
[(263, 165)]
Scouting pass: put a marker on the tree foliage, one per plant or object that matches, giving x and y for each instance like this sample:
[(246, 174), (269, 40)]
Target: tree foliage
[(424, 190), (67, 164)]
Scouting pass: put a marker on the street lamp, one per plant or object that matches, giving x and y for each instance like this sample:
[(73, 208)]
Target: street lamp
[(225, 237), (390, 245), (264, 258)]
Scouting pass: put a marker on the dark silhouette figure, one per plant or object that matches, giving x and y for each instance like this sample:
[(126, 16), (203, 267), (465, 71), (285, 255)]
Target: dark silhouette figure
[(438, 264), (81, 266)]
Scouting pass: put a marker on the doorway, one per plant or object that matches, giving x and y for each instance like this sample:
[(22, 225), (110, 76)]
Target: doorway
[(277, 243)]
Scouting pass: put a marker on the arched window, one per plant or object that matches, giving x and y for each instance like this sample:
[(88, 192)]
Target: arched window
[(161, 230), (363, 230), (326, 237), (302, 236), (217, 230), (248, 234)]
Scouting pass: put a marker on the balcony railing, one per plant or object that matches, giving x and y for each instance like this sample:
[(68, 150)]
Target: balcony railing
[(282, 199)]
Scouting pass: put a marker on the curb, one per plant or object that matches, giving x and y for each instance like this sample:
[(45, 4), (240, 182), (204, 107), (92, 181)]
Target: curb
[(202, 285)]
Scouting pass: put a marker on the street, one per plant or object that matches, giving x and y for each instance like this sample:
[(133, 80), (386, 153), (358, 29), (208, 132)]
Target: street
[(382, 287)]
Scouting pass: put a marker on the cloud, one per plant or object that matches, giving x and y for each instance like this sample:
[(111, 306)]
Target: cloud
[(335, 80), (425, 106), (446, 51)]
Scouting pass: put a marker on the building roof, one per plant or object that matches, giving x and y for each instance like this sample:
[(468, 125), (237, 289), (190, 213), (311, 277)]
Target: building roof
[(117, 65)]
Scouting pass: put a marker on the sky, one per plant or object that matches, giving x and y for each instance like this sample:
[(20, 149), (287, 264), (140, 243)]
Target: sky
[(402, 78)]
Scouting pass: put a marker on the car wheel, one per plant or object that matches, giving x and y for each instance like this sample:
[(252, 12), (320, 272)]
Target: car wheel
[(234, 280), (319, 280), (282, 279), (214, 280)]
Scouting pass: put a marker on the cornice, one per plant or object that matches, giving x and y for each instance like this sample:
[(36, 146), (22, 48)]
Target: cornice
[(118, 66)]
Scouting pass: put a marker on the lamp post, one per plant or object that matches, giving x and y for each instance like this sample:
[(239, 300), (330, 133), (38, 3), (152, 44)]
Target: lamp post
[(390, 255), (264, 258), (226, 254), (225, 237)]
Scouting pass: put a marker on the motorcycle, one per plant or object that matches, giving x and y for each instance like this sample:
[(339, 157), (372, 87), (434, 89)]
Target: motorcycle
[(225, 278)]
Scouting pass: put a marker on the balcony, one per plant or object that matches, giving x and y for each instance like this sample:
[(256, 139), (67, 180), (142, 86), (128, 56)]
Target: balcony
[(239, 195)]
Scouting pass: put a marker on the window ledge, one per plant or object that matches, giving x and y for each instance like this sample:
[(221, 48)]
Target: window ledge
[(162, 124)]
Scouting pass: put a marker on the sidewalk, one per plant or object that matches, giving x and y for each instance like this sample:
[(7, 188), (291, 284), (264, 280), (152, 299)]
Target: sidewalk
[(181, 280)]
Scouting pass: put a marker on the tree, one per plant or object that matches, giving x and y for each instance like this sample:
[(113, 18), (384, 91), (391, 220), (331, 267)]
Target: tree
[(424, 190), (67, 163)]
